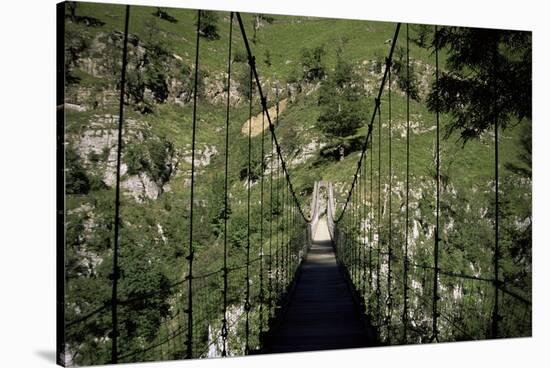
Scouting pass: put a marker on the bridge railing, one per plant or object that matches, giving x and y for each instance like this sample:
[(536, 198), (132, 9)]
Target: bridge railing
[(234, 287), (408, 296)]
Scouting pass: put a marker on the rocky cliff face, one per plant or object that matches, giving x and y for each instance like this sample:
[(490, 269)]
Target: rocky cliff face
[(96, 145)]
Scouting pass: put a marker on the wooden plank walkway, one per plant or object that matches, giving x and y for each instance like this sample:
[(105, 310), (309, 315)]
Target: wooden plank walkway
[(321, 313)]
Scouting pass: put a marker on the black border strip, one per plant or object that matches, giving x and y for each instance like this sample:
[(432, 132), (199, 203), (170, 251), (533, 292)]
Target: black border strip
[(60, 184)]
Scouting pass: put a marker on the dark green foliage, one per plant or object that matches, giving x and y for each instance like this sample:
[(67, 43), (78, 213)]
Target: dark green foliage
[(216, 206), (242, 76), (524, 166), (341, 118), (151, 68), (71, 7), (516, 218), (266, 18), (422, 34), (150, 72), (342, 112), (399, 72), (313, 67), (293, 77), (155, 71), (240, 56), (111, 56), (255, 170), (163, 14), (142, 273), (516, 235), (209, 25), (238, 233), (151, 156), (267, 58), (76, 178), (470, 241), (290, 139), (77, 43), (488, 77)]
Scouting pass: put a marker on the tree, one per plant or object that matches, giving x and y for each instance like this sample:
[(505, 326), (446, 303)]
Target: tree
[(339, 97), (312, 63), (208, 27), (71, 6), (399, 69), (487, 77), (243, 78), (76, 178), (516, 215), (151, 70), (216, 206), (523, 168), (77, 44), (163, 14), (267, 57), (88, 21), (151, 156)]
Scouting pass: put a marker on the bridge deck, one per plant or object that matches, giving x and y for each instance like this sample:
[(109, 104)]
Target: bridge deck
[(321, 313)]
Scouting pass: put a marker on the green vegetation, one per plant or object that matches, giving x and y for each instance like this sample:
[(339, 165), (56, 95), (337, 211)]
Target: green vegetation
[(328, 71), (343, 110), (208, 25), (489, 78)]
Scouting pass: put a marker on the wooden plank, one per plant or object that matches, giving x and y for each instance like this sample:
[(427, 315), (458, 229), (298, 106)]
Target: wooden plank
[(321, 314)]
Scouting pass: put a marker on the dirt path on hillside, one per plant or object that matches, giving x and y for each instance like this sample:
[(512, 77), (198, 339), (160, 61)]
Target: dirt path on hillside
[(256, 127)]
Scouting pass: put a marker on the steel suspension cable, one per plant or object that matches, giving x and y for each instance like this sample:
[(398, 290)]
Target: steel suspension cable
[(277, 253), (252, 63), (364, 229), (288, 258), (291, 236), (390, 238), (261, 296), (371, 225), (364, 149), (192, 198), (355, 217), (349, 235), (496, 317), (270, 269), (352, 229), (226, 189), (277, 231), (360, 241), (286, 235), (249, 186), (283, 228), (406, 259), (116, 271), (289, 233), (294, 234), (358, 229), (354, 238), (378, 241), (435, 297), (350, 245)]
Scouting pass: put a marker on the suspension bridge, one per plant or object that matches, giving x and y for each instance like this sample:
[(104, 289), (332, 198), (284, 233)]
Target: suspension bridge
[(324, 277)]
